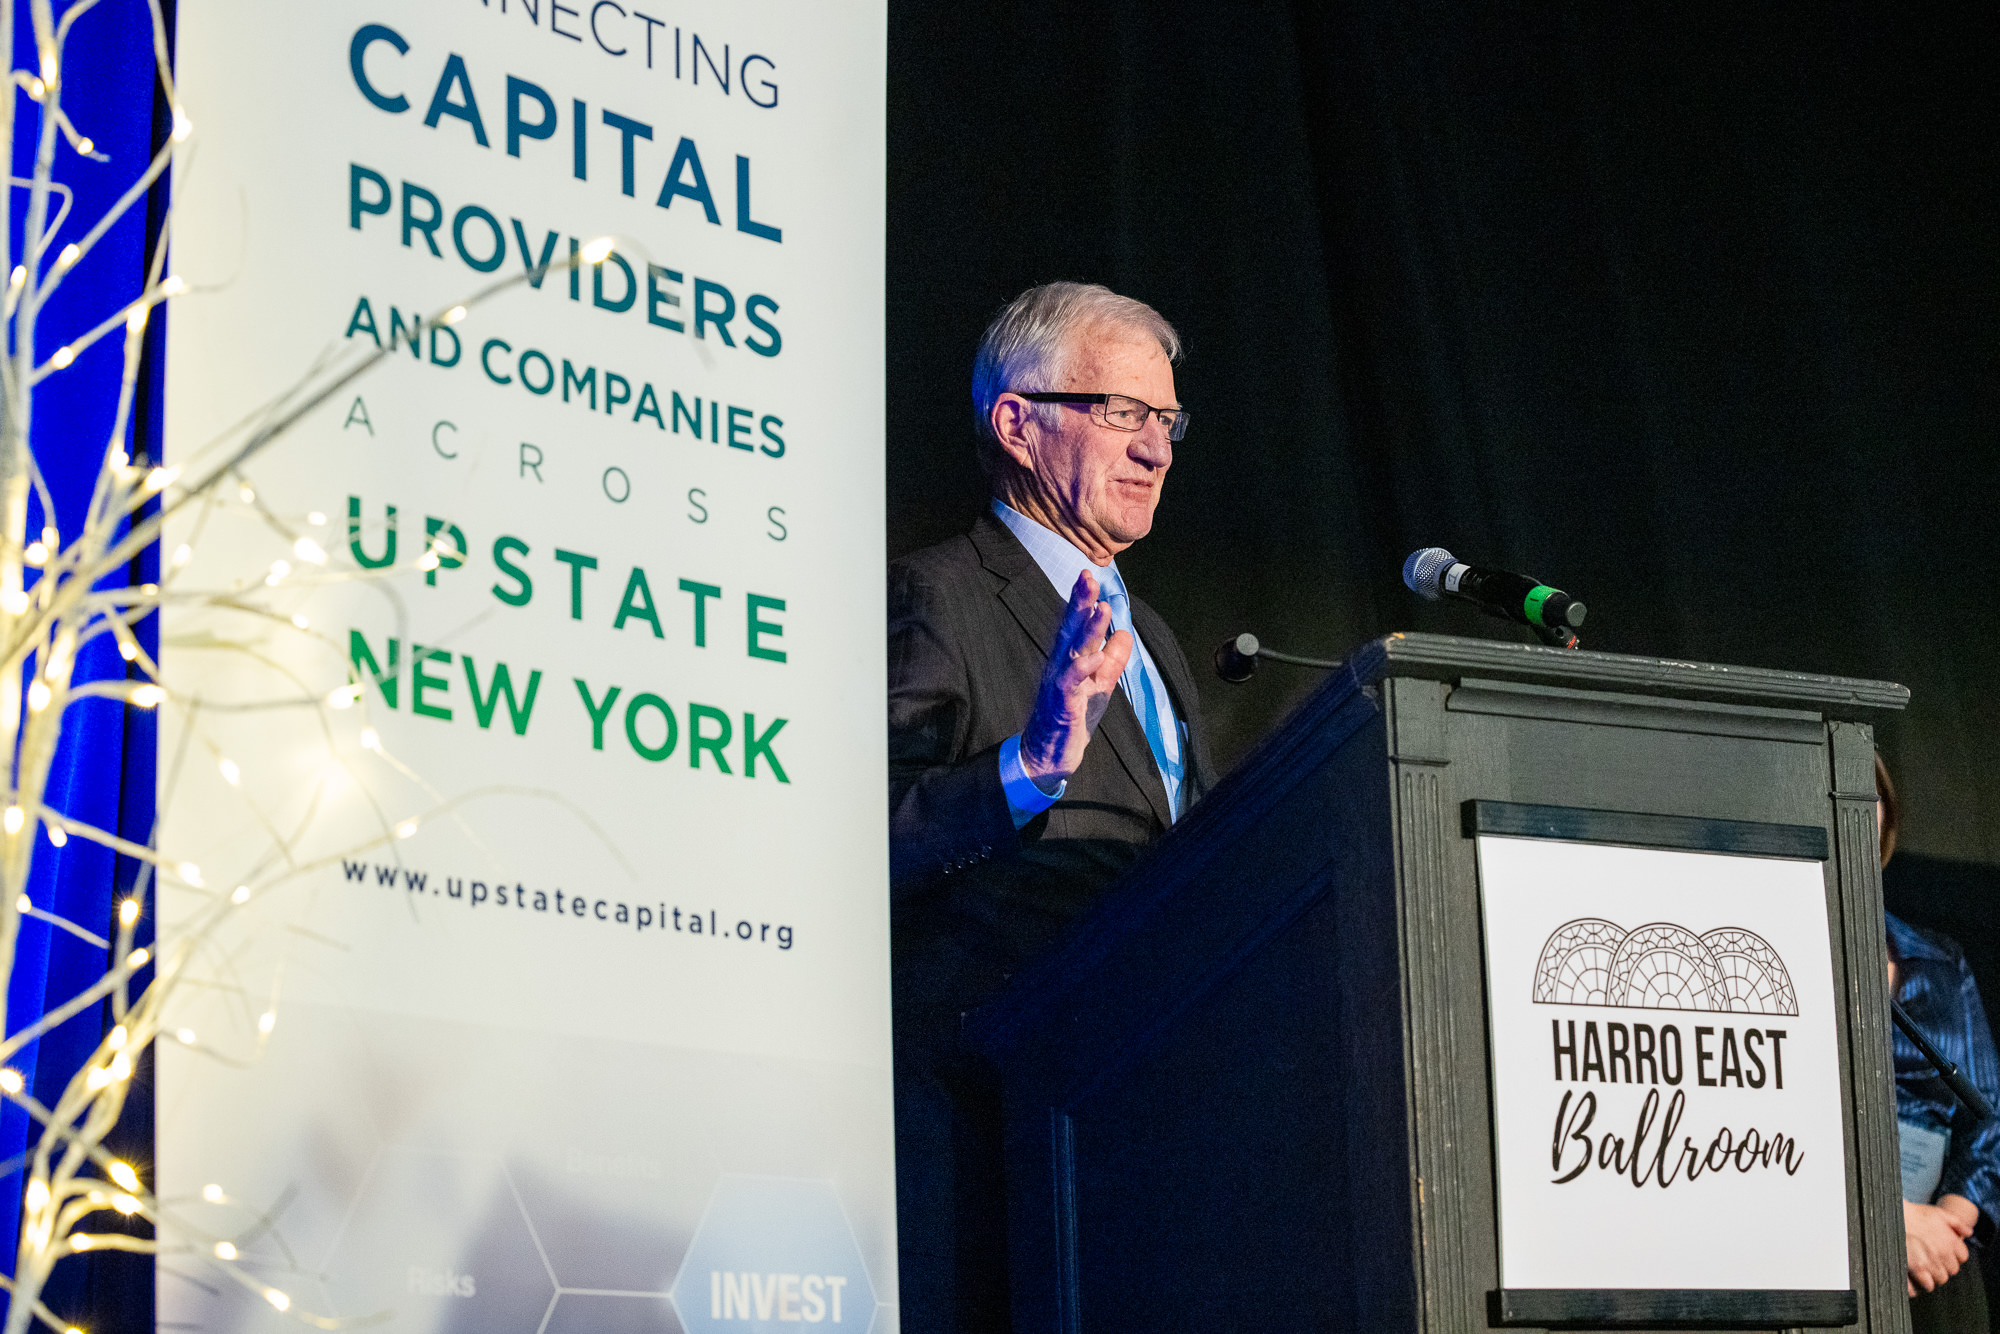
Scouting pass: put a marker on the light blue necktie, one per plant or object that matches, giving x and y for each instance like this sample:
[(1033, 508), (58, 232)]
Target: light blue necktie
[(1145, 691)]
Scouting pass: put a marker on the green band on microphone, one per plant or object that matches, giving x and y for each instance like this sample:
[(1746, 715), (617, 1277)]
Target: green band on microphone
[(1532, 604)]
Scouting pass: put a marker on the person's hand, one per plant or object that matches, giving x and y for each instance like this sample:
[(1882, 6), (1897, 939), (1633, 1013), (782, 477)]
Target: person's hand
[(1076, 686), (1934, 1237)]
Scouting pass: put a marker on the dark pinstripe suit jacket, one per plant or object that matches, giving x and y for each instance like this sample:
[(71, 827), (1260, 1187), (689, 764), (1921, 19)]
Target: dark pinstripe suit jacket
[(971, 623)]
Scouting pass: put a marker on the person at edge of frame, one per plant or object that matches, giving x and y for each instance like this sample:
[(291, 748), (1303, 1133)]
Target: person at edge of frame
[(1951, 1163)]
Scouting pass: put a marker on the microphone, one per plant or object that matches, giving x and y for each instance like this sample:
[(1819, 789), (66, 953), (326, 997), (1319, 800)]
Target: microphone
[(1236, 658), (1434, 572)]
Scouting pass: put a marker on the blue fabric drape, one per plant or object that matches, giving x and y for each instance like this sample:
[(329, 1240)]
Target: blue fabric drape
[(104, 769)]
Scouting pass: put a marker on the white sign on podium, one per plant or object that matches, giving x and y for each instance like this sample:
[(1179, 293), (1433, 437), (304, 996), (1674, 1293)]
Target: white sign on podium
[(1666, 1076)]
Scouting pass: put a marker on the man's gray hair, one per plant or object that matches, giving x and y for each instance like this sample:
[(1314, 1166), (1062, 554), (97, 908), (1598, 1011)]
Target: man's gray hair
[(1028, 346)]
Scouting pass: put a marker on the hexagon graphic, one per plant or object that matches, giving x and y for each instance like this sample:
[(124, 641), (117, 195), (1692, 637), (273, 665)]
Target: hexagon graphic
[(439, 1243), (613, 1313), (774, 1254)]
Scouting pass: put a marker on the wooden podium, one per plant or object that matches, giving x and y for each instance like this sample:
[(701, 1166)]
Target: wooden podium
[(1291, 1074)]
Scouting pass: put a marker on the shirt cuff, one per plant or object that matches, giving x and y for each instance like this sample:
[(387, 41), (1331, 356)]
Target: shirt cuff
[(1025, 798)]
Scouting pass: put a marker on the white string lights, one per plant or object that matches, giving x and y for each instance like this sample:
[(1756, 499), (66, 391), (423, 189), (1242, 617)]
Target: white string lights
[(59, 592), (56, 596)]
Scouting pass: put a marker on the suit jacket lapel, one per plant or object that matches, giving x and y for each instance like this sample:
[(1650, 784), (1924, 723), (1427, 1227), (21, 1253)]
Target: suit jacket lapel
[(1026, 594), (1033, 602)]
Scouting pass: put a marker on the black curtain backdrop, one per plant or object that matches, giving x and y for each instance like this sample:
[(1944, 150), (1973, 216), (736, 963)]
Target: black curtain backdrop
[(1691, 313)]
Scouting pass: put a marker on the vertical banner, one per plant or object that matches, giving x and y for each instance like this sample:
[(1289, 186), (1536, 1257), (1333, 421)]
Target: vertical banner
[(548, 754)]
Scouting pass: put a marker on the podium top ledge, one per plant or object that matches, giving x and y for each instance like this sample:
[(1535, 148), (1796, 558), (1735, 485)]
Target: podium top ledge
[(1451, 657)]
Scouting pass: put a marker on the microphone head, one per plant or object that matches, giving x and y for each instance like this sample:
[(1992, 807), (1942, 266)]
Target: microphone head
[(1236, 659), (1424, 571)]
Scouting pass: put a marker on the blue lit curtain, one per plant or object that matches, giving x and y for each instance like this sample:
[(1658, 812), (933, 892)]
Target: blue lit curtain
[(104, 771)]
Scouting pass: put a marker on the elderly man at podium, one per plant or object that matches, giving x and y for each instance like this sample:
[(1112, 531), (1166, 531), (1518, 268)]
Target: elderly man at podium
[(1043, 727)]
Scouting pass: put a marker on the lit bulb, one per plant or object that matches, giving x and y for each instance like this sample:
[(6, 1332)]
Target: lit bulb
[(38, 1195), (212, 1193), (183, 127), (370, 739), (34, 553), (97, 1080), (452, 316), (186, 1037), (85, 145), (24, 904), (82, 1241), (128, 912), (224, 1251), (72, 1330), (19, 276), (39, 696), (124, 1204), (266, 1022), (309, 551), (71, 253), (344, 697), (120, 1068), (63, 357), (127, 649), (15, 601), (182, 555), (405, 829), (147, 696), (316, 519), (11, 1081), (123, 1174), (595, 252), (58, 836), (299, 620), (14, 819), (190, 873), (119, 1036), (279, 569), (277, 1299), (36, 88), (429, 562), (50, 538), (246, 495), (135, 322), (242, 894), (160, 478), (231, 774), (137, 958)]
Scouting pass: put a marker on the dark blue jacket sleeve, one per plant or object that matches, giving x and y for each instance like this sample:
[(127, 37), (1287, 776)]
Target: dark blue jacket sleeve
[(1973, 1170)]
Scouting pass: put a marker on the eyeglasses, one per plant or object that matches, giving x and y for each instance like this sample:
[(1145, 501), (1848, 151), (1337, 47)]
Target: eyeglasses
[(1120, 412)]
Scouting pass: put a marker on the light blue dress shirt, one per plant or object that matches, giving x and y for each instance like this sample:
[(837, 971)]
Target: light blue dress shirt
[(1144, 685)]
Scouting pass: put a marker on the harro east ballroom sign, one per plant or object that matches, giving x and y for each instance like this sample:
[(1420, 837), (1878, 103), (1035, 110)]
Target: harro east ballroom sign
[(1666, 1096)]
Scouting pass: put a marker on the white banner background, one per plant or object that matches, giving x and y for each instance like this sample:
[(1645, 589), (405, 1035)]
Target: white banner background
[(476, 1109), (1729, 1226)]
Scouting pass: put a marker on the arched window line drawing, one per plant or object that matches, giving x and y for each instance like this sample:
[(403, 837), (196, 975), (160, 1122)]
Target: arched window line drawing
[(1663, 966)]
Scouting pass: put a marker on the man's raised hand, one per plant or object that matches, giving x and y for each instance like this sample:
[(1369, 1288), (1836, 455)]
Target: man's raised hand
[(1076, 686)]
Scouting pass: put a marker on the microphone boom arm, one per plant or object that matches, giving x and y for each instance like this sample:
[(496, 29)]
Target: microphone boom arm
[(1961, 1087), (1236, 658)]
